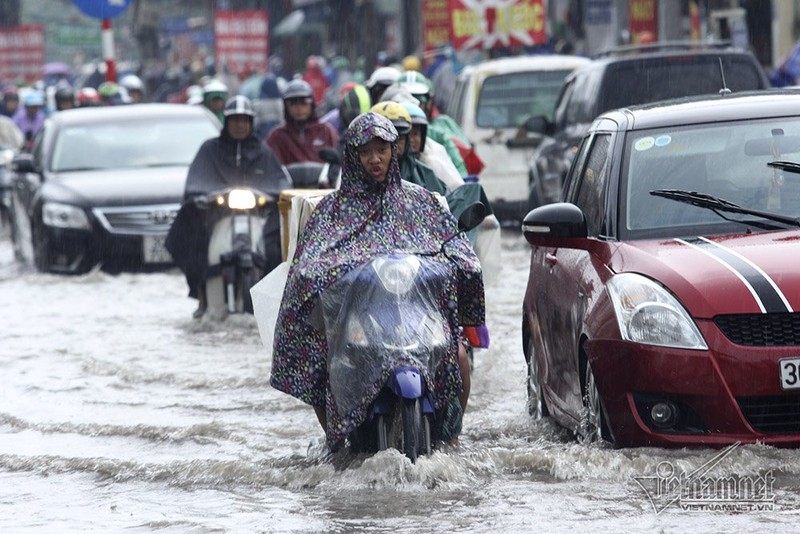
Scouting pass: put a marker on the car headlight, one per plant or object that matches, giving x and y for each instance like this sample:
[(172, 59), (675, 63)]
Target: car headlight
[(64, 216), (648, 313)]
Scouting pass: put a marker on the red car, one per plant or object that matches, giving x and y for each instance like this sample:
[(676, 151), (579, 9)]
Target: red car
[(662, 300)]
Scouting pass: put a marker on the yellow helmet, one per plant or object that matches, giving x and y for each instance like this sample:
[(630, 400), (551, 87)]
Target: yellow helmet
[(396, 113), (412, 63)]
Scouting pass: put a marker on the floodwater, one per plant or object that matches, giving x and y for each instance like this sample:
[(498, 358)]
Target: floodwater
[(120, 413)]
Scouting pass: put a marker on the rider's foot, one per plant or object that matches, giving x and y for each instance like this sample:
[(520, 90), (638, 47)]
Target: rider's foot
[(202, 304)]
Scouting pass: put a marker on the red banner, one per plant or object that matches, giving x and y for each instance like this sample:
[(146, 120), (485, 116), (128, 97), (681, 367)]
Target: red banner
[(435, 24), (496, 23), (241, 41), (643, 16), (22, 53)]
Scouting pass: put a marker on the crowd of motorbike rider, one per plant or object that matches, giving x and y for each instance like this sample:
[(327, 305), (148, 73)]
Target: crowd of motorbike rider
[(281, 126)]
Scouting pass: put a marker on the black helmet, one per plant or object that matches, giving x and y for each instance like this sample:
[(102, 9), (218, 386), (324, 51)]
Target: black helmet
[(298, 89), (64, 93), (238, 105)]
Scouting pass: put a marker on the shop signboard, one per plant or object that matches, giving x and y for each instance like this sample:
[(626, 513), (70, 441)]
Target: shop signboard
[(490, 24), (241, 40), (22, 52)]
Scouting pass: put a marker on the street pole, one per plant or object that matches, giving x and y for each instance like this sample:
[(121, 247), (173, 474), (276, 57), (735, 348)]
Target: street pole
[(108, 50)]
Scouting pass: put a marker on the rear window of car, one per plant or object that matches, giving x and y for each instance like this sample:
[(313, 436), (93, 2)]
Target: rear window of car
[(130, 144), (507, 100), (642, 82)]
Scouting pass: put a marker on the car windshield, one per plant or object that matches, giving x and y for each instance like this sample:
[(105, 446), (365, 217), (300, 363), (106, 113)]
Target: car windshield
[(725, 160), (506, 100), (130, 144)]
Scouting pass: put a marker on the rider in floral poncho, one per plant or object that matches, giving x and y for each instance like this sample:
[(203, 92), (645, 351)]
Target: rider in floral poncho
[(373, 212)]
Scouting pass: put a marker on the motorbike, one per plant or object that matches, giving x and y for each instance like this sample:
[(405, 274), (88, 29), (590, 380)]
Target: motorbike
[(236, 249), (6, 186), (386, 330)]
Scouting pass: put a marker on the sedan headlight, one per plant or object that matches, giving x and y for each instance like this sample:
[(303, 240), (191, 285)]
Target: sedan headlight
[(64, 216), (648, 313)]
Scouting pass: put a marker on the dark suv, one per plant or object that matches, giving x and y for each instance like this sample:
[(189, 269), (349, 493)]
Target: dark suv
[(627, 76)]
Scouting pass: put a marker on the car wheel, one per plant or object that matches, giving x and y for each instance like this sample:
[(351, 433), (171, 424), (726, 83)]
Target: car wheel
[(41, 247), (593, 427), (537, 407)]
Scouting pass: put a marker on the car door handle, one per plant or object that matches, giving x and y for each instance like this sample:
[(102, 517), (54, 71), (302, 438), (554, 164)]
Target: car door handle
[(550, 258)]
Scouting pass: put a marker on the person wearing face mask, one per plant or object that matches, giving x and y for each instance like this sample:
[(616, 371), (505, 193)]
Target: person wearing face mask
[(373, 212), (236, 158)]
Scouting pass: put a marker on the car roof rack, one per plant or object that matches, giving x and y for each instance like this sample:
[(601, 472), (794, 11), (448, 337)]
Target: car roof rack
[(662, 46)]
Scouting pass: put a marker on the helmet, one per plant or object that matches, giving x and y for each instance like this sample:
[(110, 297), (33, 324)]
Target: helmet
[(369, 126), (398, 93), (395, 113), (354, 102), (108, 90), (64, 93), (88, 96), (383, 76), (238, 105), (312, 63), (298, 89), (412, 63), (419, 118), (34, 98), (131, 82), (194, 94), (215, 89), (417, 84)]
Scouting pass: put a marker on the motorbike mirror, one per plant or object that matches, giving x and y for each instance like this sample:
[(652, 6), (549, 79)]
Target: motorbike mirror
[(471, 217), (329, 155)]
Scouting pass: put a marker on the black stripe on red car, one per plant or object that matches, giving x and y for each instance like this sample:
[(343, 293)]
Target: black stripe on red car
[(763, 288)]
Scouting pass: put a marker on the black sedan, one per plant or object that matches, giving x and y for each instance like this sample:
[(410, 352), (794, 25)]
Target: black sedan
[(102, 185)]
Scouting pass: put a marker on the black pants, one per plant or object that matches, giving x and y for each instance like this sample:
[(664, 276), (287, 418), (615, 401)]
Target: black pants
[(188, 238)]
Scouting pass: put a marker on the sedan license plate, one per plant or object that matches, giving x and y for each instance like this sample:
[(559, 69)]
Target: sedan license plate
[(154, 250), (790, 373)]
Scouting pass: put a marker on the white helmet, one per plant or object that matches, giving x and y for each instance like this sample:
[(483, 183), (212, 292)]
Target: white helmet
[(131, 82), (383, 76)]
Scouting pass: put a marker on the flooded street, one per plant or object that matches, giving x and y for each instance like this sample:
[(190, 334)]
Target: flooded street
[(120, 413)]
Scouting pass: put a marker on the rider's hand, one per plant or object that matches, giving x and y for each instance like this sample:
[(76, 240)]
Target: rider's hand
[(200, 201)]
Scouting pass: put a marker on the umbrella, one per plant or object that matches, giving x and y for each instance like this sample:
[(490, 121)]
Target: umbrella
[(56, 68), (290, 24)]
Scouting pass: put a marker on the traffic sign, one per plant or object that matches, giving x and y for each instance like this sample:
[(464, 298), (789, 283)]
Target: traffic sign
[(103, 9)]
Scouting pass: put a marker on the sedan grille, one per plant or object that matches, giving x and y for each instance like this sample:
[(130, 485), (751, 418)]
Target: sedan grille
[(137, 220), (761, 330), (780, 413)]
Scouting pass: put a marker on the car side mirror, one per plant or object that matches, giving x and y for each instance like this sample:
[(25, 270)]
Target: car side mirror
[(538, 124), (555, 225), (23, 163)]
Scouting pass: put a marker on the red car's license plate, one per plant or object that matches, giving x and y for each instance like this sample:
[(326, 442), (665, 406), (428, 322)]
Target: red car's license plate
[(790, 373)]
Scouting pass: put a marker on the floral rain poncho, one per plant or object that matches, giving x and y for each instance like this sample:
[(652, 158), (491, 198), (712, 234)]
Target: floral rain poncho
[(348, 227)]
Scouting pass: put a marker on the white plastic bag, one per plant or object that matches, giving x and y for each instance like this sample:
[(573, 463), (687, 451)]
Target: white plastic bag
[(267, 295)]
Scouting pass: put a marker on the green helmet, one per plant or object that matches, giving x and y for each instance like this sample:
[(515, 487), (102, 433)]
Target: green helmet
[(417, 84)]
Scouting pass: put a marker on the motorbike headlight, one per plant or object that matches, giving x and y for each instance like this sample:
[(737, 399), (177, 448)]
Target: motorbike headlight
[(6, 155), (64, 216), (397, 275), (648, 313), (241, 199)]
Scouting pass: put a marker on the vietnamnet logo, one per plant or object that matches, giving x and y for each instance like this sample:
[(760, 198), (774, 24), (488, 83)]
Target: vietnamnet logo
[(700, 490)]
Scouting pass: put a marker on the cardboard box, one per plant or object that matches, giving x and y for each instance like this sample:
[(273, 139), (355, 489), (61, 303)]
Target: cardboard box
[(295, 206)]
